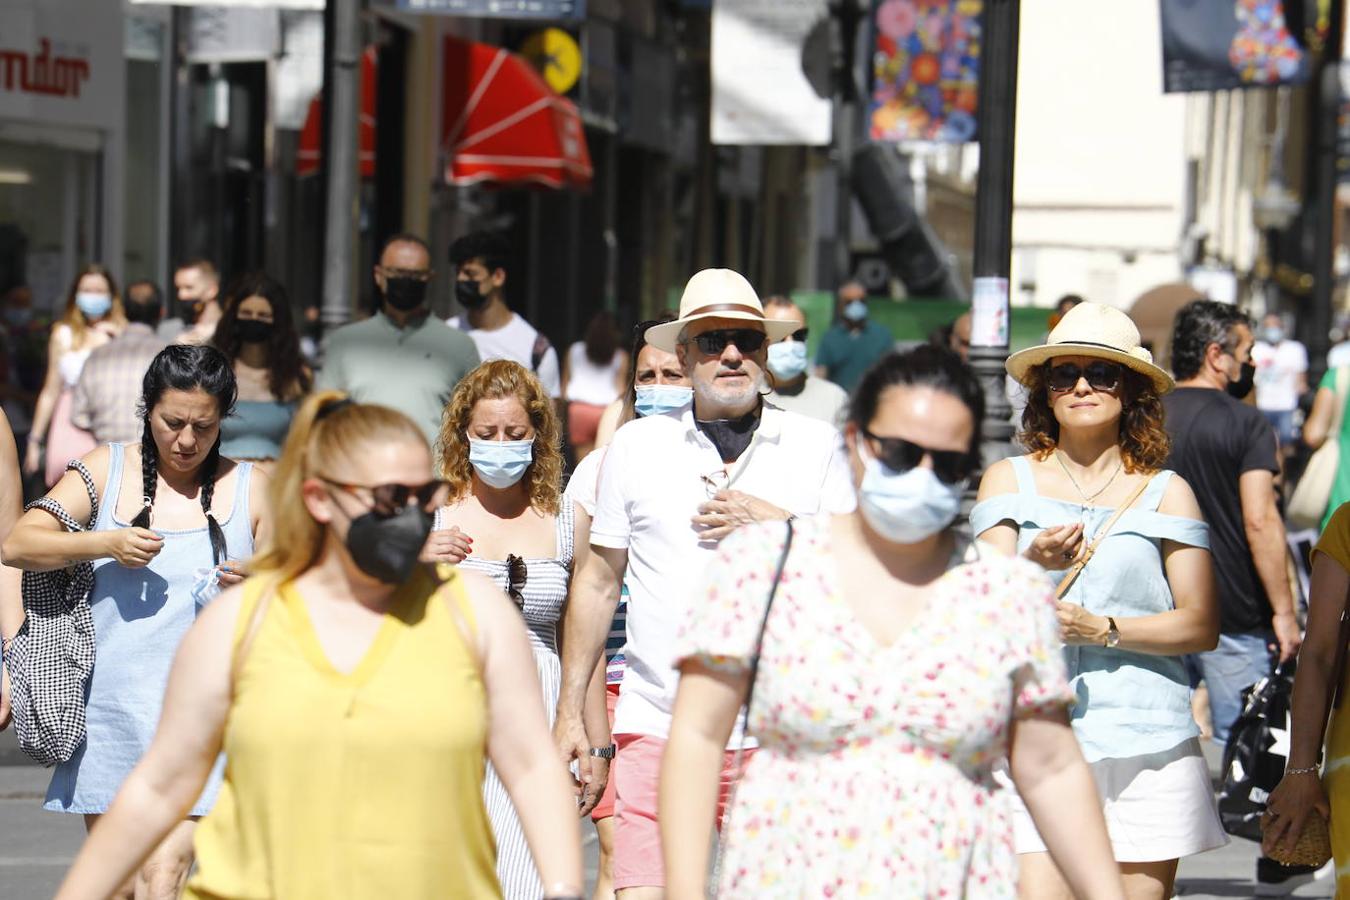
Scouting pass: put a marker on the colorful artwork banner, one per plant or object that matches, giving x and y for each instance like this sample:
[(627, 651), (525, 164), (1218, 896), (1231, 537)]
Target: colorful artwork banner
[(1218, 45)]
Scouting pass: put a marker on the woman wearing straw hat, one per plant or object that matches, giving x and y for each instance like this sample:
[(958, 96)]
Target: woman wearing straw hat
[(1125, 542)]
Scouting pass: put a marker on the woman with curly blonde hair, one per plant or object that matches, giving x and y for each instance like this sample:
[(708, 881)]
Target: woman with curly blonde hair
[(500, 450), (1124, 540)]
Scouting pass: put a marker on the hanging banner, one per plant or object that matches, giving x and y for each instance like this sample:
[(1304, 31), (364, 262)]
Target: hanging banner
[(760, 93), (1217, 45), (925, 70), (266, 4), (543, 10)]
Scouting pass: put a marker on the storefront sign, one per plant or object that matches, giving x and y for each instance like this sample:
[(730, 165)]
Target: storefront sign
[(1215, 45), (61, 63), (925, 71), (269, 4), (551, 10)]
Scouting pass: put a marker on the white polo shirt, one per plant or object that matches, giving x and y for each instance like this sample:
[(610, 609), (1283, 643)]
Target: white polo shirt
[(650, 489)]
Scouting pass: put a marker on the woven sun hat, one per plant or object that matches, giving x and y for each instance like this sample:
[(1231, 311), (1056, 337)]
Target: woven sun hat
[(717, 294), (1091, 329)]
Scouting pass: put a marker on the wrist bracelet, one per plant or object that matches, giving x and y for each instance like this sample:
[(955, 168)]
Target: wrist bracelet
[(1308, 770)]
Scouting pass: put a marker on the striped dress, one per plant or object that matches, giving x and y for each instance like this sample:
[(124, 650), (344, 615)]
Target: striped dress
[(545, 592)]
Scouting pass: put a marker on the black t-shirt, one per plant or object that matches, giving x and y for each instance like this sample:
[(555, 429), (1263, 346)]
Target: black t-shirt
[(1214, 440)]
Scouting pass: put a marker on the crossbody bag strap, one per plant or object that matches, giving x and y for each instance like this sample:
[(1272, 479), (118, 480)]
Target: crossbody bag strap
[(1086, 556)]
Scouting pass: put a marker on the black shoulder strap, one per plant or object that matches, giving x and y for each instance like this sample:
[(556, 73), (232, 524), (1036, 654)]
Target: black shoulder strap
[(541, 346)]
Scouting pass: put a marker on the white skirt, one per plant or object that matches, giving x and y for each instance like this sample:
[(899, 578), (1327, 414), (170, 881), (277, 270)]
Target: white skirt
[(1158, 806)]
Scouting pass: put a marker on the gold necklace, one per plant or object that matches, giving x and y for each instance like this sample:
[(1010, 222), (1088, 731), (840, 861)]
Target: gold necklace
[(1086, 499)]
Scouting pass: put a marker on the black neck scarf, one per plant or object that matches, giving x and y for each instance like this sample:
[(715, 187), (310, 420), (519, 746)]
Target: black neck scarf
[(731, 437)]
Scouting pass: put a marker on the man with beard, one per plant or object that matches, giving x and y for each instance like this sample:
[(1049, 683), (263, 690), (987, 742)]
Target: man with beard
[(673, 485), (401, 357)]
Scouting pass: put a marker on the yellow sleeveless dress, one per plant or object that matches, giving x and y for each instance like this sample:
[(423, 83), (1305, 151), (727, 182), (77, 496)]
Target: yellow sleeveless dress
[(361, 785)]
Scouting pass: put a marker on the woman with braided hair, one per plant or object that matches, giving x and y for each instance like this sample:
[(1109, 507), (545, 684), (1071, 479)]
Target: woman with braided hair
[(173, 519)]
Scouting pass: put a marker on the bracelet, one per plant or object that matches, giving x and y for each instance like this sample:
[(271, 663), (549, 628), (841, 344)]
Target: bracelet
[(1308, 770)]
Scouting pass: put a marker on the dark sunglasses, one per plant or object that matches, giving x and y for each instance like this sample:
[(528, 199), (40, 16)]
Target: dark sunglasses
[(516, 573), (747, 340), (900, 455), (800, 335), (1100, 375), (388, 500)]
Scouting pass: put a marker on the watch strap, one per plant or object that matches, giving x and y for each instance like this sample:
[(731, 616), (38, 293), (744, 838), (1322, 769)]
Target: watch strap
[(604, 752)]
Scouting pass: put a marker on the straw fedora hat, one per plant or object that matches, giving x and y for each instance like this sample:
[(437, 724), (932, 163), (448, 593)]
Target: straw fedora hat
[(720, 294), (1091, 329)]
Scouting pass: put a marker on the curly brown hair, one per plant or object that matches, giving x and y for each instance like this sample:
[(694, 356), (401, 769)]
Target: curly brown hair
[(491, 381), (1144, 443)]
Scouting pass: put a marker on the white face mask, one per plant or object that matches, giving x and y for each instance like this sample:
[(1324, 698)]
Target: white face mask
[(787, 359), (905, 507), (500, 464)]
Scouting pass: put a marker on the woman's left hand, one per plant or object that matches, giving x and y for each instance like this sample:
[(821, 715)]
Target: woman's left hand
[(232, 571), (1078, 626), (1294, 799)]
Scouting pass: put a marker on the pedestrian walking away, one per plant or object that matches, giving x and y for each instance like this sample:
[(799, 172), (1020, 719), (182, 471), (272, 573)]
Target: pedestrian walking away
[(1124, 542), (355, 695), (175, 519)]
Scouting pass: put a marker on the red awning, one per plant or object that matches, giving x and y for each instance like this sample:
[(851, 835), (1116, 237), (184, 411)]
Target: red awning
[(310, 151), (502, 123)]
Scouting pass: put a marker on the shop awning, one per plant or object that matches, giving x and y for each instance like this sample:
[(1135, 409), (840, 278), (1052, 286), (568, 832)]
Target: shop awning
[(503, 124), (310, 150)]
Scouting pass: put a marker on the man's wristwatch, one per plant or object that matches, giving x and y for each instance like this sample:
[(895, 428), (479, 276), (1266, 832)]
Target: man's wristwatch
[(1112, 633), (604, 752)]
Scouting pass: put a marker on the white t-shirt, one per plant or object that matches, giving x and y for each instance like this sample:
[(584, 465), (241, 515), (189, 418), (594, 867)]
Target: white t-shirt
[(515, 340), (651, 487), (1339, 355), (1278, 367), (589, 383)]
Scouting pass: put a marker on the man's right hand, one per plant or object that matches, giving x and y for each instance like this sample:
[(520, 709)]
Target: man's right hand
[(134, 547), (1287, 634), (570, 735)]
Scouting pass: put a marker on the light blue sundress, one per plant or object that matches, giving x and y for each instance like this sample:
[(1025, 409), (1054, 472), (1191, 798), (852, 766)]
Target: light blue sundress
[(140, 616)]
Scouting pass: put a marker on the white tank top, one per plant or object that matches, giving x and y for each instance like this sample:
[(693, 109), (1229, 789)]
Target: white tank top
[(589, 383)]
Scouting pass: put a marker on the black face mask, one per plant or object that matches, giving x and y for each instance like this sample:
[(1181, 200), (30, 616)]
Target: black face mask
[(405, 294), (731, 437), (1243, 386), (388, 548), (253, 331), (469, 295)]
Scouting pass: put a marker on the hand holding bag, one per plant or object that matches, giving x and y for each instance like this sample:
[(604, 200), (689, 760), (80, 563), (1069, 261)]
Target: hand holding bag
[(51, 658), (1311, 496)]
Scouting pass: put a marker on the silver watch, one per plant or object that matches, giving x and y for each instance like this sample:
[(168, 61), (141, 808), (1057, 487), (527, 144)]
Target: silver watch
[(604, 752)]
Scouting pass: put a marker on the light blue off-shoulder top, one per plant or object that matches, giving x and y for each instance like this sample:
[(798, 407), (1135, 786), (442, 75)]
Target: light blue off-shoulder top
[(1128, 703)]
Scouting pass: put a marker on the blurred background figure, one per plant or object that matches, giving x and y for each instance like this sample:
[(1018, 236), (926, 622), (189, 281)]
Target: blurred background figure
[(257, 334), (23, 342), (794, 387), (1281, 377), (196, 285), (593, 376), (93, 317), (1062, 306), (1331, 404), (853, 342), (109, 389)]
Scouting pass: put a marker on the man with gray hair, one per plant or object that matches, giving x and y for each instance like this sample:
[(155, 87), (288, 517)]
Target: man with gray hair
[(794, 388)]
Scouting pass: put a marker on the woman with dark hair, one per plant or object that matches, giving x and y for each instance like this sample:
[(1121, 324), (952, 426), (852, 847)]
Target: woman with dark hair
[(888, 662), (93, 316), (1091, 503), (592, 377), (655, 383), (174, 517), (257, 334)]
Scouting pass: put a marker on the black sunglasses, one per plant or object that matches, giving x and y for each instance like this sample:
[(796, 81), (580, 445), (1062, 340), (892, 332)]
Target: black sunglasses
[(516, 573), (388, 500), (1100, 375), (747, 340), (800, 335), (900, 455)]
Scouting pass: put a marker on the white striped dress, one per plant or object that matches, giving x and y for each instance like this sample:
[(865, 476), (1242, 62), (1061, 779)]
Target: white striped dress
[(545, 591)]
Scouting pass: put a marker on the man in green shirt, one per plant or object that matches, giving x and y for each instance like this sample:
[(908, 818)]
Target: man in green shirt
[(401, 357), (853, 342)]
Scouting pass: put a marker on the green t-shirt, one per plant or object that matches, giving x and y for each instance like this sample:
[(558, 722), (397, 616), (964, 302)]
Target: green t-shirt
[(846, 355)]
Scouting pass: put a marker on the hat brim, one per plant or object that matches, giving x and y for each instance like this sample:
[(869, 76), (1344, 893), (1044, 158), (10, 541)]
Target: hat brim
[(666, 335), (1022, 362)]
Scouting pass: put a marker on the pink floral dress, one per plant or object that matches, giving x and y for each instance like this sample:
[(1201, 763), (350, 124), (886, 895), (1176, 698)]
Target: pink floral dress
[(874, 773)]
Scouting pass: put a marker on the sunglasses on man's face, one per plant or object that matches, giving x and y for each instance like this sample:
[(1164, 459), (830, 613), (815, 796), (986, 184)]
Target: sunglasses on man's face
[(388, 500), (900, 455), (747, 340), (1100, 375), (800, 335)]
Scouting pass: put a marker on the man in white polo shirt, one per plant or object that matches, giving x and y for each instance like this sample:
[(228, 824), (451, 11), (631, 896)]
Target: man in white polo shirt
[(674, 485)]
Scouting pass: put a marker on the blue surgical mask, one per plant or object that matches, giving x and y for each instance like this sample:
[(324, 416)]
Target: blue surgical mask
[(500, 464), (655, 399), (18, 316), (94, 305), (855, 311), (905, 507), (787, 359), (1272, 335)]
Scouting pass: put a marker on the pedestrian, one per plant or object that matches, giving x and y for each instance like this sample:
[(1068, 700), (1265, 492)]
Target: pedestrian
[(11, 600), (174, 519), (196, 284), (853, 342), (1314, 783), (674, 485), (500, 450), (24, 334), (1092, 496), (93, 317), (593, 376), (1330, 404), (794, 387), (109, 388), (402, 357), (898, 662), (483, 263), (1281, 377), (257, 334), (355, 696), (656, 384)]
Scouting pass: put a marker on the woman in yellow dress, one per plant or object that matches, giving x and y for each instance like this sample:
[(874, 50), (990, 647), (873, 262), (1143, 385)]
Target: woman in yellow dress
[(356, 698)]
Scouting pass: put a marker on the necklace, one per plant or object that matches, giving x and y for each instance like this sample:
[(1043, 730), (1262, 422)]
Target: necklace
[(1088, 499)]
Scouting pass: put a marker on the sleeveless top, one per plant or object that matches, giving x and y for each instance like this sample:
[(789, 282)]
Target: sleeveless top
[(352, 785), (257, 429), (140, 616), (1128, 703), (589, 383)]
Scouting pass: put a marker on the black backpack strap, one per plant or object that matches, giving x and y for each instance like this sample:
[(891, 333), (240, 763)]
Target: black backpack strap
[(541, 346)]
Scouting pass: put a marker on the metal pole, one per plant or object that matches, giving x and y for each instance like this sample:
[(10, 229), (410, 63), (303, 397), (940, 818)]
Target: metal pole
[(341, 157), (991, 310)]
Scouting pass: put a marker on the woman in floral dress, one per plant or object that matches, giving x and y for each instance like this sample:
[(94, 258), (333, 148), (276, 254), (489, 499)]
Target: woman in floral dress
[(899, 662)]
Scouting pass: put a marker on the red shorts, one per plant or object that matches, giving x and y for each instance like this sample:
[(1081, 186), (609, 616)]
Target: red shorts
[(605, 808), (583, 421), (637, 834)]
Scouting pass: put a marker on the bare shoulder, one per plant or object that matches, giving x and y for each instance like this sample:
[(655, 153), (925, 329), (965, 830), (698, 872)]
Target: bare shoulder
[(998, 479), (1179, 500), (221, 615)]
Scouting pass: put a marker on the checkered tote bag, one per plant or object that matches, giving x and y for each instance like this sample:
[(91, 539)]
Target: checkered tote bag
[(52, 656)]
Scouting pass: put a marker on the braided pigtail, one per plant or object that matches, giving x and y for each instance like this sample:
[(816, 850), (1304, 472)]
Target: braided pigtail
[(209, 467), (149, 475)]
